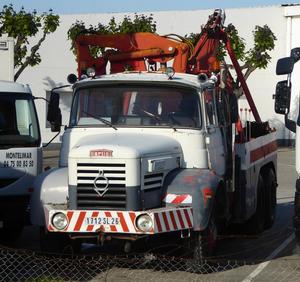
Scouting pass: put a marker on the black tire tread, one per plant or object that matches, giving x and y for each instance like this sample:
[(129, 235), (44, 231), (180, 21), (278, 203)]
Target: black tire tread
[(256, 224), (271, 201)]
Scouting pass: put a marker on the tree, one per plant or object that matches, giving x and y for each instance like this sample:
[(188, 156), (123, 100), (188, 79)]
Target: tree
[(23, 26), (140, 23)]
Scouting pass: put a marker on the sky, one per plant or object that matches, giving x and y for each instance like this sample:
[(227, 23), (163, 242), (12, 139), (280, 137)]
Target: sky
[(112, 6)]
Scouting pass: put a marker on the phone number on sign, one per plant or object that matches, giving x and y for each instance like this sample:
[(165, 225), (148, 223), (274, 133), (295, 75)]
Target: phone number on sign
[(19, 163)]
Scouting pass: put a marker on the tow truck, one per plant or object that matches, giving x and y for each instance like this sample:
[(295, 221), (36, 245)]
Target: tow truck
[(156, 146)]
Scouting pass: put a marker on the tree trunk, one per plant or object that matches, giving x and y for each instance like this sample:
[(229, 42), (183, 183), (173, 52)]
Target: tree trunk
[(239, 91), (34, 49)]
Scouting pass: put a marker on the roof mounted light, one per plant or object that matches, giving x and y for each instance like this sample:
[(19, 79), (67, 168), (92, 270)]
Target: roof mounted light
[(91, 72), (72, 78), (213, 77), (170, 72), (202, 77), (83, 76)]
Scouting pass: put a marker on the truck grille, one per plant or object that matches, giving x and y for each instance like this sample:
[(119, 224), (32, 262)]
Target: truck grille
[(113, 198), (153, 181)]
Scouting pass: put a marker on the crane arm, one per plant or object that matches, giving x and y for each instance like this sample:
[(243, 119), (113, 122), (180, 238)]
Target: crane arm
[(131, 51)]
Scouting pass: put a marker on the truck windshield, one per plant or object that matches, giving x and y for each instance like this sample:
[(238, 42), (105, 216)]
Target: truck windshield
[(18, 121), (136, 106)]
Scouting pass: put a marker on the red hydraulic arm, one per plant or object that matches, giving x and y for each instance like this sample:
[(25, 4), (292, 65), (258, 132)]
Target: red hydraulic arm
[(241, 79), (129, 51)]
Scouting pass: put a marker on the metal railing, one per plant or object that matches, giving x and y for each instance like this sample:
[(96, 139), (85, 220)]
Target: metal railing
[(26, 265)]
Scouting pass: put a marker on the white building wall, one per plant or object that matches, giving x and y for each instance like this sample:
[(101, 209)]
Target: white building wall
[(7, 58), (58, 61)]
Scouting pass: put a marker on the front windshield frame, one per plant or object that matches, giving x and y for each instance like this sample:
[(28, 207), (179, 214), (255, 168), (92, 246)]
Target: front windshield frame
[(22, 140), (194, 91)]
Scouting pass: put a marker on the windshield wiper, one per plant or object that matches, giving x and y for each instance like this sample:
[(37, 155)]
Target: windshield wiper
[(152, 115), (157, 118), (101, 119)]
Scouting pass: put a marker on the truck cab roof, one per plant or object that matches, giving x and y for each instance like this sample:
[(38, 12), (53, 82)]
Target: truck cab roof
[(142, 77), (13, 87)]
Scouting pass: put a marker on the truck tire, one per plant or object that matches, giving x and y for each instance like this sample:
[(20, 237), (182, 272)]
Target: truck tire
[(58, 243), (271, 198), (256, 224), (11, 234), (206, 242)]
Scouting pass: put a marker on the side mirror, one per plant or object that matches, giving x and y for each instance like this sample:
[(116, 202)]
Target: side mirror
[(285, 65), (282, 97), (54, 113), (295, 54)]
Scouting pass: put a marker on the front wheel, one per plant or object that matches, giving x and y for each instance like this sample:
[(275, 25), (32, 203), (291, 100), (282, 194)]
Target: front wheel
[(58, 243), (206, 241), (12, 233)]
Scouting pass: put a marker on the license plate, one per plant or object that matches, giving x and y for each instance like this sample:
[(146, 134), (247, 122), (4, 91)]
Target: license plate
[(102, 220)]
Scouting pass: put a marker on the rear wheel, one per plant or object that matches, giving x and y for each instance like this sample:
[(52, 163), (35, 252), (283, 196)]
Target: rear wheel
[(256, 224), (271, 200)]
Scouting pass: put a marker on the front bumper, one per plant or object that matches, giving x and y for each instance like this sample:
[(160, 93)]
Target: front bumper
[(164, 220)]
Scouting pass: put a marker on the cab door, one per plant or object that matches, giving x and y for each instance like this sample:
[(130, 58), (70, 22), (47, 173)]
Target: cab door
[(214, 138)]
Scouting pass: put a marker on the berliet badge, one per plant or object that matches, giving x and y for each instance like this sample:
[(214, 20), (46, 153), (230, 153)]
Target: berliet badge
[(102, 187), (101, 153)]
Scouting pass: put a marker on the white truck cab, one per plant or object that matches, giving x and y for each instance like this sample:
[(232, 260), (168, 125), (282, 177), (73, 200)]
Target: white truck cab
[(20, 155), (138, 104)]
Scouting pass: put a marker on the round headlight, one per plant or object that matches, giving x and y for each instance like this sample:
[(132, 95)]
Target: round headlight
[(90, 72), (144, 222), (59, 221)]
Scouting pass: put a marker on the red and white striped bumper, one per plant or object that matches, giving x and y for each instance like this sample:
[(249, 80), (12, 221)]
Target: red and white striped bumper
[(163, 219)]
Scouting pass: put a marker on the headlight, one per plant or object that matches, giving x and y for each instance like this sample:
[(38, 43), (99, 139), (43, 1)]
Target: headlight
[(144, 222), (59, 221)]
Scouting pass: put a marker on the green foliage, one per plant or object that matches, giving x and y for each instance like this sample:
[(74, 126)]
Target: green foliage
[(140, 23), (264, 41), (237, 42), (22, 26)]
